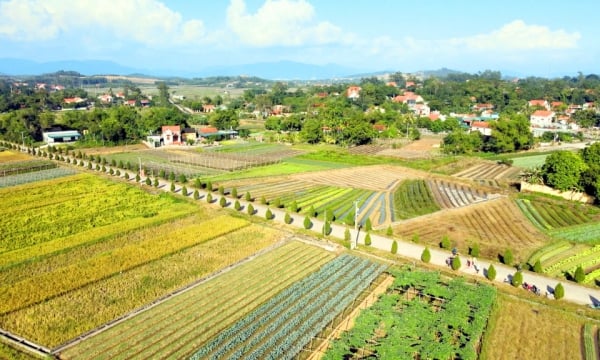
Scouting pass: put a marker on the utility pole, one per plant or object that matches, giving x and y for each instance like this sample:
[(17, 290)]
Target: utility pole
[(355, 245), (23, 140)]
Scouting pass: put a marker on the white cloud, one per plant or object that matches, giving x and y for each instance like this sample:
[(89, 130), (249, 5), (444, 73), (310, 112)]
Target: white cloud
[(280, 23), (144, 21), (517, 35)]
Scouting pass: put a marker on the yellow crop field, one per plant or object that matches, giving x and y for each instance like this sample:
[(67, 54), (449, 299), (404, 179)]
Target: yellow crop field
[(6, 156), (66, 316), (35, 213), (150, 245)]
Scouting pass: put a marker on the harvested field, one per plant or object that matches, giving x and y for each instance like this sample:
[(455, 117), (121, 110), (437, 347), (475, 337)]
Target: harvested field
[(424, 148), (9, 155), (376, 177), (525, 330), (496, 225), (490, 171), (367, 149), (452, 195)]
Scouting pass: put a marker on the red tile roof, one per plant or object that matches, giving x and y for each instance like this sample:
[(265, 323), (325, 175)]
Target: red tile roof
[(543, 113), (480, 124)]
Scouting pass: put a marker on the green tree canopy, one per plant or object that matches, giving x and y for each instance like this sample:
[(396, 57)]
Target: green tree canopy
[(562, 170)]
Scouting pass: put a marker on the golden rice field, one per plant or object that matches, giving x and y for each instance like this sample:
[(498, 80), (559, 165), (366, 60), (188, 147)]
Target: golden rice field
[(521, 329), (8, 155), (80, 251)]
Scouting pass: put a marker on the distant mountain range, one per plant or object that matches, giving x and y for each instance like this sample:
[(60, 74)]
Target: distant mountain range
[(281, 70)]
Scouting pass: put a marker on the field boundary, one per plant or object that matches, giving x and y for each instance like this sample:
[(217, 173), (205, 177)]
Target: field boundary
[(62, 347), (20, 342)]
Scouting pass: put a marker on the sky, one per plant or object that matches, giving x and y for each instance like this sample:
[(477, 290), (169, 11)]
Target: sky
[(525, 37)]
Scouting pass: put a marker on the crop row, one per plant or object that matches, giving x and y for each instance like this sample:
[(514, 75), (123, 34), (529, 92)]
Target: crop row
[(586, 233), (282, 326), (444, 321), (29, 177), (547, 216), (244, 328), (570, 263), (590, 349), (194, 316), (413, 198), (532, 215), (549, 251), (85, 271), (20, 167)]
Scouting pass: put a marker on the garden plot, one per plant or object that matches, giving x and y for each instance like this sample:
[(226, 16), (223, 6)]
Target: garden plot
[(177, 328), (452, 195), (377, 177), (490, 173), (496, 225)]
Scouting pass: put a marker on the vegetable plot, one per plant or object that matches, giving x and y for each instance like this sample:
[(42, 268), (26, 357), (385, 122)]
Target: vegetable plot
[(419, 317), (280, 328)]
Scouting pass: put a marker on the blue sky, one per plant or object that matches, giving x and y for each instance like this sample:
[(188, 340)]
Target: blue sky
[(547, 38)]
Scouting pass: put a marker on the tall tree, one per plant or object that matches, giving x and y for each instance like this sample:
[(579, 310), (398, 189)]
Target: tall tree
[(562, 170)]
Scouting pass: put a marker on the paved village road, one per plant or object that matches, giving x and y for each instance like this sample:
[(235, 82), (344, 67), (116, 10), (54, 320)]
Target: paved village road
[(573, 292)]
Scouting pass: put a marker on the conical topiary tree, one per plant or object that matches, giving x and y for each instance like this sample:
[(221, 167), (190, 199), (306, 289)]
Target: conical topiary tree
[(579, 274), (237, 205), (517, 279), (263, 200), (294, 206), (456, 263), (507, 257), (394, 247), (368, 225), (287, 219), (137, 178), (559, 291), (222, 201), (326, 228), (196, 194), (197, 183), (250, 209), (184, 191), (474, 250), (347, 234), (234, 193), (368, 240), (209, 186), (156, 182), (307, 222), (148, 181), (172, 186), (426, 255), (491, 273), (126, 176), (537, 267), (209, 198), (268, 214), (248, 197), (221, 190), (445, 243), (389, 231)]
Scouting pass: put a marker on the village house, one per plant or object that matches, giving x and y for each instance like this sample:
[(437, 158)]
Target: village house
[(208, 108), (541, 103), (171, 135), (189, 135), (542, 118), (353, 92), (105, 98), (73, 100), (482, 126), (483, 107)]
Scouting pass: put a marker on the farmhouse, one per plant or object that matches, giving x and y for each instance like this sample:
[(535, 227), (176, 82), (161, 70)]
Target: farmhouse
[(353, 92), (189, 135), (171, 135), (542, 118), (52, 137), (483, 127), (541, 103)]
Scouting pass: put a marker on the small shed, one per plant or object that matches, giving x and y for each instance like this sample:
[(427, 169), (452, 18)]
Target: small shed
[(51, 137), (189, 134)]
